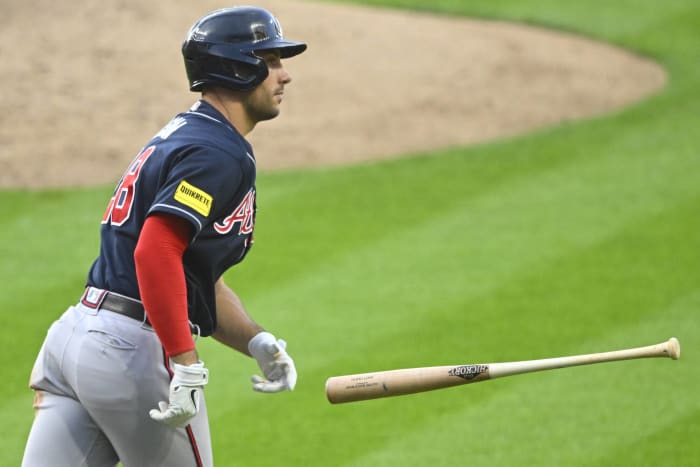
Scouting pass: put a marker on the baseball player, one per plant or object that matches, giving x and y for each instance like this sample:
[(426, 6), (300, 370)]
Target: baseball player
[(118, 377)]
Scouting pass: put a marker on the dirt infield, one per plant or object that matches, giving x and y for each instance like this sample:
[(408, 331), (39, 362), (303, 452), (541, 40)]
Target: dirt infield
[(84, 87)]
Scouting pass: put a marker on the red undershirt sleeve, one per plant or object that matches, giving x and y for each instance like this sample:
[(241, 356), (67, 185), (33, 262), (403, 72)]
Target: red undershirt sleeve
[(161, 277)]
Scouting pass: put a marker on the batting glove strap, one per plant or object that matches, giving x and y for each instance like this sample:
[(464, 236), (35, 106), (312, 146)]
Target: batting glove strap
[(190, 375), (277, 366), (185, 394)]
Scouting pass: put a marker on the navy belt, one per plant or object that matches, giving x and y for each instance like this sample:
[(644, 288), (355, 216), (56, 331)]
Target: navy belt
[(125, 306), (99, 299)]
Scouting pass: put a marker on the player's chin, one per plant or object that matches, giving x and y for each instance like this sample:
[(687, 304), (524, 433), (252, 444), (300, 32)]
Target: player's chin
[(268, 113)]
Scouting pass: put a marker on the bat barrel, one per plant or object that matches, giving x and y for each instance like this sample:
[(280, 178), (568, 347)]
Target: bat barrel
[(364, 386)]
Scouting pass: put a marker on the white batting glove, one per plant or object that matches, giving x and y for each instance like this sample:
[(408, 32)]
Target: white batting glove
[(275, 363), (185, 392)]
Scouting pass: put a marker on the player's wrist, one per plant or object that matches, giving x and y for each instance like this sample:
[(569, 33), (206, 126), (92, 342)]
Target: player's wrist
[(187, 358)]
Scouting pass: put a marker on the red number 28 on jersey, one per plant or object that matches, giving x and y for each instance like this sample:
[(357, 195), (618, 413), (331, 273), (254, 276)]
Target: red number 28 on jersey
[(119, 207)]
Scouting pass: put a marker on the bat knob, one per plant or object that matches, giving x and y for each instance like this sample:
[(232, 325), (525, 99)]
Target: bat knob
[(674, 348)]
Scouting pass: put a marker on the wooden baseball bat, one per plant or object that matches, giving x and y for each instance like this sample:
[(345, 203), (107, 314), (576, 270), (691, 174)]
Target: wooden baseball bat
[(364, 386)]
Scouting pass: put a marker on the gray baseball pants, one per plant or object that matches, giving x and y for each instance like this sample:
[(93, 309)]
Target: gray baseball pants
[(97, 375)]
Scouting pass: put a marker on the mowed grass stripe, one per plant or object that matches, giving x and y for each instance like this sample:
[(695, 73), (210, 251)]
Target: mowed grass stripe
[(47, 241), (664, 442), (611, 283)]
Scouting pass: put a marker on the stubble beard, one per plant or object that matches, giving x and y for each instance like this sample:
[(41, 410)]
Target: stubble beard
[(261, 109)]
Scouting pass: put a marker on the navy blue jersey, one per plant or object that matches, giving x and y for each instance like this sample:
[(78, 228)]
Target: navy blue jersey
[(197, 167)]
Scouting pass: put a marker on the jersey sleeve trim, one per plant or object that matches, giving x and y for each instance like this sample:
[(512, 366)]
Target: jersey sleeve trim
[(179, 211)]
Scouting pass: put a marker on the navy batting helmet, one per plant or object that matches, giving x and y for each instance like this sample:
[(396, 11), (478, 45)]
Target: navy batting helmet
[(220, 47)]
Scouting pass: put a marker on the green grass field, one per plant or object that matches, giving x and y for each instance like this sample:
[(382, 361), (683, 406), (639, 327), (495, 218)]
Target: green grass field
[(577, 239)]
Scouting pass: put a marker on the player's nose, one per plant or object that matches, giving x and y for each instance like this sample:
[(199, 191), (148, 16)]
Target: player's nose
[(285, 77)]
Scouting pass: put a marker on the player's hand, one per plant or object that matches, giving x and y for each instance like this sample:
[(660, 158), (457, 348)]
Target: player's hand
[(275, 363), (185, 392)]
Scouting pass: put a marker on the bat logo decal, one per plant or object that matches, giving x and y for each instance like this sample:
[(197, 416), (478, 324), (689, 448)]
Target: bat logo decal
[(468, 371)]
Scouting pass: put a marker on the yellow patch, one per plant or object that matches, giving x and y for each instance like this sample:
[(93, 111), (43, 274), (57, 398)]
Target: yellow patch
[(193, 197)]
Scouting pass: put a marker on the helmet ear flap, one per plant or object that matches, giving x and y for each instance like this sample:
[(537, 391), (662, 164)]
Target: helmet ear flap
[(237, 75), (243, 72)]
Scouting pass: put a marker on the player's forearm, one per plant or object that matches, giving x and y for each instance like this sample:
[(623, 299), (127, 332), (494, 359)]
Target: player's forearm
[(234, 327)]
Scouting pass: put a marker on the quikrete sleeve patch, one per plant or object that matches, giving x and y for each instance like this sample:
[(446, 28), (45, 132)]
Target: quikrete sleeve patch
[(193, 197)]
